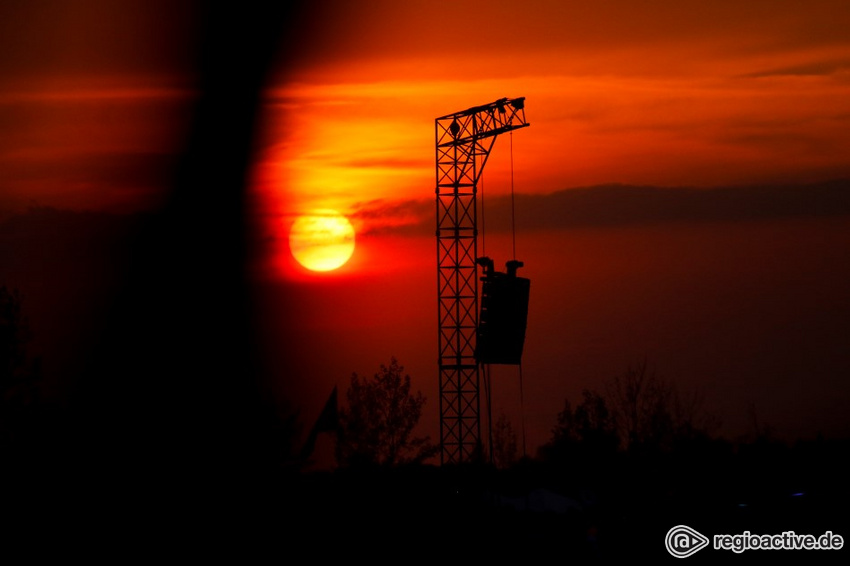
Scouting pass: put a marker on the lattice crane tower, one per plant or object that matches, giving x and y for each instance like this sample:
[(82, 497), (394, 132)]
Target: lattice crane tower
[(463, 143)]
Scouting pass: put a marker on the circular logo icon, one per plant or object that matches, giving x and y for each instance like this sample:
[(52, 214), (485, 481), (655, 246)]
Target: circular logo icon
[(682, 541)]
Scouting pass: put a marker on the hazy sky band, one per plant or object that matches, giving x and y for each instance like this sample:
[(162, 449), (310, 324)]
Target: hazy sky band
[(660, 93)]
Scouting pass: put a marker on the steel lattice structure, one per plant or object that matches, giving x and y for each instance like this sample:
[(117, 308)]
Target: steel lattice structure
[(463, 143)]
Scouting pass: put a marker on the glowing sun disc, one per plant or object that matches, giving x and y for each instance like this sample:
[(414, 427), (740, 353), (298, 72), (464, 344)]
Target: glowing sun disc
[(322, 240)]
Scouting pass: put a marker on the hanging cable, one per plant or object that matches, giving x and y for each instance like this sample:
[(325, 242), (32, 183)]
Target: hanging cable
[(522, 411), (513, 211), (513, 237), (485, 368), (483, 231), (487, 392)]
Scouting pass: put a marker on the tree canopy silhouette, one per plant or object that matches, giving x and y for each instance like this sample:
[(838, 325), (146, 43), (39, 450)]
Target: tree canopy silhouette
[(589, 430), (376, 428), (637, 411), (504, 442)]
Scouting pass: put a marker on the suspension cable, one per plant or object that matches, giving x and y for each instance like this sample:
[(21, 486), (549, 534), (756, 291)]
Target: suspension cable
[(522, 410), (488, 383), (485, 368), (513, 237), (483, 231), (513, 211)]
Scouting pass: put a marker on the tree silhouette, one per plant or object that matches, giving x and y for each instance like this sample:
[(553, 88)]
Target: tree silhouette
[(504, 442), (376, 428), (644, 407), (652, 414), (589, 430), (637, 412)]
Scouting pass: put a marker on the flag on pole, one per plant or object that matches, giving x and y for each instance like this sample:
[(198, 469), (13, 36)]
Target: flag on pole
[(327, 422)]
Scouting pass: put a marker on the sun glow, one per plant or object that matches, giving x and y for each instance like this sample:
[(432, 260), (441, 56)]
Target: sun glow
[(322, 240)]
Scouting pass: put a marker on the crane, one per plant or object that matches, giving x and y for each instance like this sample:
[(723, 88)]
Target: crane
[(463, 143)]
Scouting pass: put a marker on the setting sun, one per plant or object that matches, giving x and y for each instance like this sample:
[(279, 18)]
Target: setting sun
[(322, 240)]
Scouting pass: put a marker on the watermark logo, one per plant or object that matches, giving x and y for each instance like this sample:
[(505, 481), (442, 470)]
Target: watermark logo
[(682, 541)]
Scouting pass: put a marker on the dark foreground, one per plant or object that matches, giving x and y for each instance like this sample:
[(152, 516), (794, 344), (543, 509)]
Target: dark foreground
[(546, 514), (606, 511)]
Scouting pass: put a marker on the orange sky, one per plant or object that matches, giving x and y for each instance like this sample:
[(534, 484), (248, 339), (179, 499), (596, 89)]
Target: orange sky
[(660, 93), (665, 93), (94, 99), (670, 93)]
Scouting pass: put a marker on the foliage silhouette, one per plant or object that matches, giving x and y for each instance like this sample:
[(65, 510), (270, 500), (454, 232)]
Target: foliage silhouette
[(637, 412), (376, 428), (643, 404), (589, 430), (504, 442)]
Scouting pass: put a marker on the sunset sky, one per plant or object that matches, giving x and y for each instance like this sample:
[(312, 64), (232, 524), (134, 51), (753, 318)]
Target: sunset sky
[(738, 291)]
